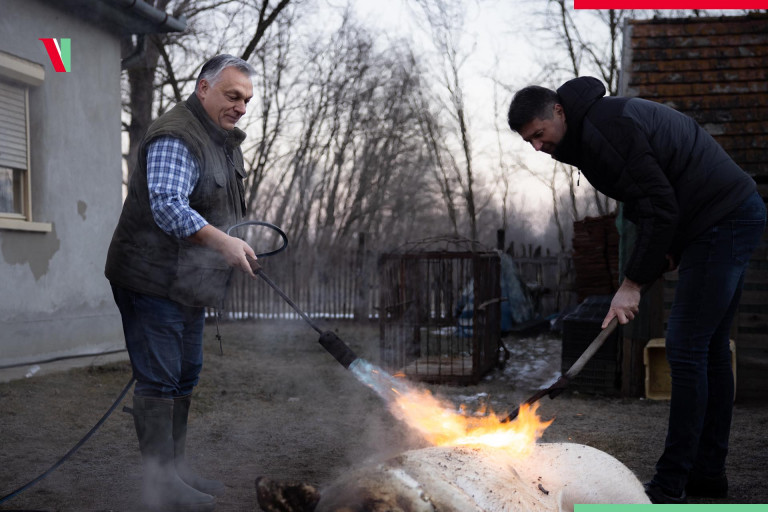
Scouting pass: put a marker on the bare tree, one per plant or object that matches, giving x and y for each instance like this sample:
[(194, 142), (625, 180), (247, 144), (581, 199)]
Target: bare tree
[(432, 135), (444, 19), (154, 79), (355, 158)]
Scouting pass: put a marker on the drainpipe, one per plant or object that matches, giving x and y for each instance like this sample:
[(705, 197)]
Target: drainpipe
[(164, 22), (137, 55), (161, 18)]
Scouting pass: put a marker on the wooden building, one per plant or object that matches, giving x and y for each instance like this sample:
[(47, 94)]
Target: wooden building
[(716, 71)]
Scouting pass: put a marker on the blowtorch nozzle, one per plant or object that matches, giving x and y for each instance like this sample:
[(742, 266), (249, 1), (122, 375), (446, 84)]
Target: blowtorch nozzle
[(337, 348)]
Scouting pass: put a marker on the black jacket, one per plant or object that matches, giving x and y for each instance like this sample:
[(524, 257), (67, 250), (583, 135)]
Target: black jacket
[(675, 181)]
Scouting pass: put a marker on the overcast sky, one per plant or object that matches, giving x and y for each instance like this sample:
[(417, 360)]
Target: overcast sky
[(498, 34)]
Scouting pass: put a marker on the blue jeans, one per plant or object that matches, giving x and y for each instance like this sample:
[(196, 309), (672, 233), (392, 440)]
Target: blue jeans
[(711, 276), (164, 341)]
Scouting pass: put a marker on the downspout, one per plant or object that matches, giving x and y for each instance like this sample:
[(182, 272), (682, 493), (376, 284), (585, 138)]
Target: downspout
[(136, 55), (165, 23), (161, 18)]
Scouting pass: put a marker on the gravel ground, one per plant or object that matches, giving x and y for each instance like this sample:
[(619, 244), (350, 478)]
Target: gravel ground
[(276, 404)]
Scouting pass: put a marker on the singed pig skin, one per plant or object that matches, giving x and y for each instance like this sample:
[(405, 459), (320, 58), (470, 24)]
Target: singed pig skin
[(454, 479), (553, 478), (435, 479)]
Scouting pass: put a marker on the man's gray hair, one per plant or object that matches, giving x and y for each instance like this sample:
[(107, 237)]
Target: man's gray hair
[(211, 70)]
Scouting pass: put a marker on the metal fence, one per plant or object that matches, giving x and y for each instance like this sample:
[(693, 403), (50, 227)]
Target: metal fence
[(346, 286)]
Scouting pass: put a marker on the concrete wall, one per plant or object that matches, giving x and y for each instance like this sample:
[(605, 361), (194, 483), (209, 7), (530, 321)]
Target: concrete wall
[(54, 299)]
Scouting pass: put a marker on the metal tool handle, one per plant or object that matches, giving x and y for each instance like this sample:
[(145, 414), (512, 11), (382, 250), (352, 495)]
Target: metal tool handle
[(563, 382), (330, 341)]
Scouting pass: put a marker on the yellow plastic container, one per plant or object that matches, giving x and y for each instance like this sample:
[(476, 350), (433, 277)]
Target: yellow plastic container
[(658, 382)]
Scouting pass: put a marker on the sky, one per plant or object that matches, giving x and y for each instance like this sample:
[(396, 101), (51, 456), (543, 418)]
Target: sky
[(498, 32)]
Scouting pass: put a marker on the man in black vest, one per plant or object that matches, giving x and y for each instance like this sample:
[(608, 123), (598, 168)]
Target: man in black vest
[(170, 257), (693, 207)]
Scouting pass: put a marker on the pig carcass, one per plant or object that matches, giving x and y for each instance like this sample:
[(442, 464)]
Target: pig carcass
[(554, 477)]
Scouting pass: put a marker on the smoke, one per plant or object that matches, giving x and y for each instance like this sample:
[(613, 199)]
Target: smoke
[(380, 430), (418, 406), (377, 379), (154, 489)]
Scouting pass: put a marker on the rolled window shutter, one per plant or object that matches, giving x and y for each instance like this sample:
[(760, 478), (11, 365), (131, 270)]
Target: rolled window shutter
[(13, 126)]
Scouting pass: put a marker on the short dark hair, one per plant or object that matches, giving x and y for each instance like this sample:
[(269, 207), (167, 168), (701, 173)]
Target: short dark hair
[(211, 70), (529, 103)]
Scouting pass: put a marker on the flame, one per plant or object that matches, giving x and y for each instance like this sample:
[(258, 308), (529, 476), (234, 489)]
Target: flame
[(441, 425)]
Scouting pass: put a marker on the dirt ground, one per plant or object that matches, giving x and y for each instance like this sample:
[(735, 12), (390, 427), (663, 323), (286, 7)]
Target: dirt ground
[(277, 405)]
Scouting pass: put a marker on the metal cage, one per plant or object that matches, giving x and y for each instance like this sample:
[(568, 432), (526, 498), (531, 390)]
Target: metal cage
[(440, 315)]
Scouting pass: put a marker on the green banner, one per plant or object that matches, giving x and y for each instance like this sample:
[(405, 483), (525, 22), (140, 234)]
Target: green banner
[(671, 508)]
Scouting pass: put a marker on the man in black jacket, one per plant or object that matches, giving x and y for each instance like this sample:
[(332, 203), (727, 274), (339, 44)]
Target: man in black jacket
[(693, 207)]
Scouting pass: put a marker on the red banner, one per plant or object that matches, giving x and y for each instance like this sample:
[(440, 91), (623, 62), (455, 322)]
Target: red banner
[(670, 4)]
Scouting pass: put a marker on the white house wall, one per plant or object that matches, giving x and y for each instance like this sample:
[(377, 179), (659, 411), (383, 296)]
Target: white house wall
[(54, 298)]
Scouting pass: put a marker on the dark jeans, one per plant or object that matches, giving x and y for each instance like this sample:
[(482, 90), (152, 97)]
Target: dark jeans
[(164, 341), (711, 276)]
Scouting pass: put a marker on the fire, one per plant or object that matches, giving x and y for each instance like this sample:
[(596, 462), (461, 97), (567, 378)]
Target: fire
[(439, 423)]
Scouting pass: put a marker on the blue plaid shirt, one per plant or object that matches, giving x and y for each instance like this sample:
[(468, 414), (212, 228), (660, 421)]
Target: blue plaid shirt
[(172, 173)]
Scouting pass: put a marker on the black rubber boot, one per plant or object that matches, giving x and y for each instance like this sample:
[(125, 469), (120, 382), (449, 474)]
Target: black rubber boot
[(180, 420), (163, 489)]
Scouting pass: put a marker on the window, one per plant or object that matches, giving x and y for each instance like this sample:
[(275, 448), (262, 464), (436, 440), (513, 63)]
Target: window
[(13, 148), (16, 77), (11, 190)]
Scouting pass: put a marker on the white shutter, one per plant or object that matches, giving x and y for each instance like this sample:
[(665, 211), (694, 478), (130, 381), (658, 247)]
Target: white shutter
[(13, 126)]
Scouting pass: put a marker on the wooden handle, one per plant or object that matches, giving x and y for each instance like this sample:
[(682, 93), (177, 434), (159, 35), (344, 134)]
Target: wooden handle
[(592, 348)]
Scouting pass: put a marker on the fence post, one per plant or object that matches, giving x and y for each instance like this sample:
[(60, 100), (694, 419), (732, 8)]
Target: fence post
[(360, 311)]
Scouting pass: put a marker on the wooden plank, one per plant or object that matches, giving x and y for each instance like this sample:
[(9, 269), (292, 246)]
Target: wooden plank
[(664, 63), (703, 53), (716, 114), (671, 91), (751, 368), (707, 101), (751, 340), (752, 358), (736, 39), (757, 276), (754, 297), (736, 141), (754, 321), (671, 27)]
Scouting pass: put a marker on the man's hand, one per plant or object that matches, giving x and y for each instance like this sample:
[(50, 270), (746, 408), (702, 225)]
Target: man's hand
[(625, 303), (235, 251)]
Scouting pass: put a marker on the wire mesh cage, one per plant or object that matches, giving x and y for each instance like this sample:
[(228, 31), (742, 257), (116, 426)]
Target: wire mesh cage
[(439, 314)]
